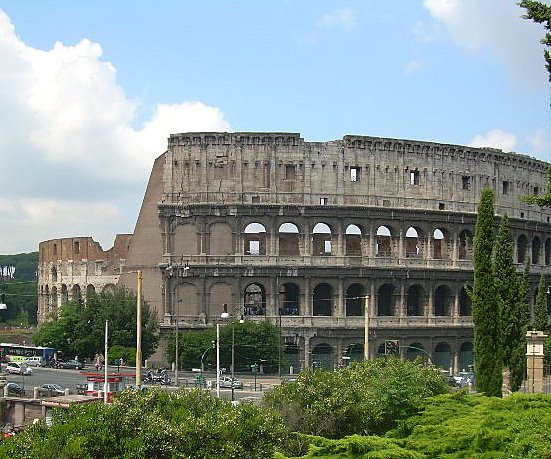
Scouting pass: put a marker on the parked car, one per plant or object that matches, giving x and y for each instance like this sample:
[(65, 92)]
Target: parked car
[(51, 390), (36, 361), (74, 364), (14, 389), (19, 368), (228, 381)]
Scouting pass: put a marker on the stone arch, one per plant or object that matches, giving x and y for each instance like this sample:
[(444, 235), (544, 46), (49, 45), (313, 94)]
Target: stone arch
[(321, 239), (90, 290), (64, 294), (354, 352), (536, 250), (443, 301), (381, 350), (465, 305), (255, 299), (291, 357), (547, 256), (416, 350), (384, 241), (466, 356), (440, 244), (289, 295), (185, 240), (53, 297), (221, 240), (53, 273), (443, 356), (465, 249), (322, 299), (220, 293), (322, 356), (109, 288), (416, 299), (413, 242), (353, 240), (385, 300), (187, 300), (76, 293), (355, 300), (522, 247), (254, 239), (288, 239)]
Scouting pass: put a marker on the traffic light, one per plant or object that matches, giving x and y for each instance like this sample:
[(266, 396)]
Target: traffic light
[(392, 347)]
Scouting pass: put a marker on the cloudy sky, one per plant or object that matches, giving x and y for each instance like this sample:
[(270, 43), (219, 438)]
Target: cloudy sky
[(90, 90)]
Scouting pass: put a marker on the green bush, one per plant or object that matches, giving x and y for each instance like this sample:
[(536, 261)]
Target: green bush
[(365, 398)]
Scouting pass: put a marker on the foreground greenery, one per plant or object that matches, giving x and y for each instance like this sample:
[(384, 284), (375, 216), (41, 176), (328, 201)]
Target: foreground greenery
[(79, 330), (389, 397), (454, 427)]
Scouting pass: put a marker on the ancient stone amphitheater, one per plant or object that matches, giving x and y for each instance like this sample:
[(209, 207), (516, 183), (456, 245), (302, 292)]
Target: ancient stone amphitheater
[(344, 244)]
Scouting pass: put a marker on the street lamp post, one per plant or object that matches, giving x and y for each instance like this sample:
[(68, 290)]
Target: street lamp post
[(366, 328), (176, 326), (138, 333)]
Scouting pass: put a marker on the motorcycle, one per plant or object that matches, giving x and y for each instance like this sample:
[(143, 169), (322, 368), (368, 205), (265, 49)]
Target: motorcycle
[(160, 377)]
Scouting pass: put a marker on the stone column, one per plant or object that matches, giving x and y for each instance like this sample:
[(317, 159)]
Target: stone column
[(535, 341)]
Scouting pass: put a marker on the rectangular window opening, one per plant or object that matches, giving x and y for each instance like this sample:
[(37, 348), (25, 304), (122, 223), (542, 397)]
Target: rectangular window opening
[(355, 174), (466, 181), (324, 201), (414, 178), (505, 187), (290, 172), (77, 247)]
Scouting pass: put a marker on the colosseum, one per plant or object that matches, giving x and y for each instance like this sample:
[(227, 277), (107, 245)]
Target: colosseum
[(343, 244)]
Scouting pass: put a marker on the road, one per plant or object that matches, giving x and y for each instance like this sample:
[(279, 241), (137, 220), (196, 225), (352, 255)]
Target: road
[(70, 378)]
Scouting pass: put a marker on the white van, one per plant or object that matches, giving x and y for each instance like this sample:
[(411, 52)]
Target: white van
[(35, 361), (19, 368)]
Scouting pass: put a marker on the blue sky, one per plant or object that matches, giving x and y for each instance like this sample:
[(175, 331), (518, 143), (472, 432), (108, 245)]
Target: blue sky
[(90, 90)]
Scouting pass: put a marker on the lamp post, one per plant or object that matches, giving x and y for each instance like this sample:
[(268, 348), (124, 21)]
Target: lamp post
[(224, 315), (176, 325), (138, 334), (366, 327)]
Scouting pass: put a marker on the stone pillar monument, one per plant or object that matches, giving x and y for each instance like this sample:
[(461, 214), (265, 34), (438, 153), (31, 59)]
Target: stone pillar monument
[(535, 341)]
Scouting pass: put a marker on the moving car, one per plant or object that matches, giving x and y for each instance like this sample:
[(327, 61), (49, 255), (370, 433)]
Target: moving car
[(19, 368), (74, 364), (228, 381), (51, 390), (14, 389), (35, 361)]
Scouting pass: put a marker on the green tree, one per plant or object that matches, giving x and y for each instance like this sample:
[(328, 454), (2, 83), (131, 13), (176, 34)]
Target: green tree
[(541, 13), (488, 349), (513, 312), (78, 329), (254, 342), (540, 306), (153, 424), (367, 397)]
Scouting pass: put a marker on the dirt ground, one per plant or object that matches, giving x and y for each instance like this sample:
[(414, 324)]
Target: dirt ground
[(17, 335)]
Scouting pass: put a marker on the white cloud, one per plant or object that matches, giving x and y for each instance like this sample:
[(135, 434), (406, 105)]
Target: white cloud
[(540, 141), (497, 26), (495, 138), (68, 151), (344, 19), (413, 66)]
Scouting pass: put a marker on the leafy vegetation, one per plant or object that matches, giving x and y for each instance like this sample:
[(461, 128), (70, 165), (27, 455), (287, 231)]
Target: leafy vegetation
[(365, 398), (541, 13), (254, 343), (488, 349), (79, 330), (454, 426), (153, 424)]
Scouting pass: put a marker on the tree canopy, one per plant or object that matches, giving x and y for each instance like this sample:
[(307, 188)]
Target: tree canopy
[(541, 13), (78, 329)]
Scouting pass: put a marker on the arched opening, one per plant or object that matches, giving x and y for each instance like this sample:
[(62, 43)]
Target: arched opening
[(109, 288), (291, 359), (323, 299), (383, 242), (412, 242), (353, 241), (536, 250), (255, 239), (355, 300), (438, 244), (465, 245), (547, 252), (442, 301), (385, 300), (354, 353), (415, 351), (465, 305), (254, 300), (415, 301), (442, 356), (289, 299), (322, 357), (466, 356), (54, 274), (64, 294), (90, 290), (76, 293), (53, 298), (522, 244), (288, 239), (321, 239)]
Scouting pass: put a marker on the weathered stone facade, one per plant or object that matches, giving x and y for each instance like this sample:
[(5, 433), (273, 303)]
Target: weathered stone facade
[(306, 233), (70, 268), (310, 234)]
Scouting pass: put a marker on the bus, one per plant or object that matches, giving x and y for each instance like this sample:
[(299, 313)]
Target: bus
[(10, 352)]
